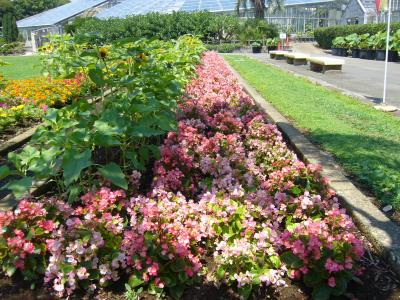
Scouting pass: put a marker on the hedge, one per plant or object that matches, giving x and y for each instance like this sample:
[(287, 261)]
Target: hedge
[(208, 26), (223, 47), (325, 36)]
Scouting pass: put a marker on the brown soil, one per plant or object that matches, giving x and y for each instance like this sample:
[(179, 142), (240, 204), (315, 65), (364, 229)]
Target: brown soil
[(12, 131)]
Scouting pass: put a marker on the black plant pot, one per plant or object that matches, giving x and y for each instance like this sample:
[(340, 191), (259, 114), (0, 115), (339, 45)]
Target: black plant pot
[(355, 53), (381, 55), (367, 54), (342, 52), (335, 51), (257, 49), (271, 48)]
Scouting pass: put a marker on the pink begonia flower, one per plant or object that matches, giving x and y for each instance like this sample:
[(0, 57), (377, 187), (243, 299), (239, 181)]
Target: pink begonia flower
[(82, 273), (332, 281), (29, 248)]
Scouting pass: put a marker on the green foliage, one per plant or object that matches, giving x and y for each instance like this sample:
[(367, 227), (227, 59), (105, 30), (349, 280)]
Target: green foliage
[(6, 6), (80, 141), (11, 48), (206, 25), (255, 29), (26, 8), (353, 41), (364, 141), (10, 30), (339, 42), (325, 36), (223, 47)]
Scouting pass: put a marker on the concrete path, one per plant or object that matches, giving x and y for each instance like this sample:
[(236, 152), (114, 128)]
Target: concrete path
[(364, 77)]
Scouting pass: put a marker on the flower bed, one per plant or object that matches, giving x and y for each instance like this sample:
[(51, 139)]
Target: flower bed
[(255, 209), (28, 99)]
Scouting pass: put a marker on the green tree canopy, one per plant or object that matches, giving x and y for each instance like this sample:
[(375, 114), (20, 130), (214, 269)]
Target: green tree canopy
[(6, 6), (26, 8)]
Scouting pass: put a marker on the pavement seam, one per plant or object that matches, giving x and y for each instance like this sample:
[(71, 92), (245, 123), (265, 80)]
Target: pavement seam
[(379, 229)]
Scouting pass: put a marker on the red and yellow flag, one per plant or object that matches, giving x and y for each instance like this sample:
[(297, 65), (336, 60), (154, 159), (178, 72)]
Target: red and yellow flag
[(381, 5)]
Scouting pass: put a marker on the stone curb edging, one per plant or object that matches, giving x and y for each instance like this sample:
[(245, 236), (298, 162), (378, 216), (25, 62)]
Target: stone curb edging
[(379, 229), (17, 141)]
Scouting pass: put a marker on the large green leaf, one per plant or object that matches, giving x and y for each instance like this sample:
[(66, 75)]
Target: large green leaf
[(73, 163), (134, 281), (4, 172), (20, 187), (97, 76), (114, 173), (321, 292)]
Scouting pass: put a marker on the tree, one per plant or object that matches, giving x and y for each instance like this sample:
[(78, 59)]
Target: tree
[(6, 6), (26, 8), (259, 6), (10, 30)]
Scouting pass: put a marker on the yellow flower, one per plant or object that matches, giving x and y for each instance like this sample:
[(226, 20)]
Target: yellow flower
[(18, 107), (103, 52)]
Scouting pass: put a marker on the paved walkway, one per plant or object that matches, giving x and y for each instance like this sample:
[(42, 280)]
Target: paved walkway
[(364, 77)]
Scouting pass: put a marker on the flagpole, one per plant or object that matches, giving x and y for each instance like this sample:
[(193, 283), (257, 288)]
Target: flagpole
[(387, 52)]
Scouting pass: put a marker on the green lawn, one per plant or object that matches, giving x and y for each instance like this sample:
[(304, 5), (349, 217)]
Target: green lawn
[(364, 141), (20, 67)]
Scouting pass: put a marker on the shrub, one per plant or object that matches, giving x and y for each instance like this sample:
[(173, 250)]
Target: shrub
[(325, 36), (224, 47), (208, 26), (11, 48)]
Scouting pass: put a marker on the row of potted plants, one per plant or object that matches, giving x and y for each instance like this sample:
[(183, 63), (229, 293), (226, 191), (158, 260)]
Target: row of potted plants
[(270, 44), (366, 46)]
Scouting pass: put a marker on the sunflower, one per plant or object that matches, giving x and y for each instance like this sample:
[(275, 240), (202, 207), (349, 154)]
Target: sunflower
[(103, 52)]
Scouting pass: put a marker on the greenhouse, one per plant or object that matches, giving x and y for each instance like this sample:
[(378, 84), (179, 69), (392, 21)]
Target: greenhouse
[(298, 15), (53, 20)]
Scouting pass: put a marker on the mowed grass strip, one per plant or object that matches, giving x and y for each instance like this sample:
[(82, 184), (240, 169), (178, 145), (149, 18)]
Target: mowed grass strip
[(366, 142), (21, 67)]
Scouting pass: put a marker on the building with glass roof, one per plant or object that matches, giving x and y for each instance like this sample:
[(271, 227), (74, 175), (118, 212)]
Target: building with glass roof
[(53, 20), (297, 15)]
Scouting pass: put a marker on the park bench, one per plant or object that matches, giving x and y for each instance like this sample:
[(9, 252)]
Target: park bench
[(296, 58), (323, 64), (278, 54)]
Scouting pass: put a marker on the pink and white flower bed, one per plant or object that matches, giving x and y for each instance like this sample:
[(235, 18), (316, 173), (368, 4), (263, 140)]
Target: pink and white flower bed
[(226, 187)]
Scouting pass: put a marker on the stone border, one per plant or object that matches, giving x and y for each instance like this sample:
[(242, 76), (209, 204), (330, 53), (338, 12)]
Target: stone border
[(379, 229), (17, 141)]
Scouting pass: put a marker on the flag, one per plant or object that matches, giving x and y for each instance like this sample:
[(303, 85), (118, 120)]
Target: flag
[(381, 5), (377, 4)]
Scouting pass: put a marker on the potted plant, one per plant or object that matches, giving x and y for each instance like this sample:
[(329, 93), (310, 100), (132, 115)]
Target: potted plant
[(339, 46), (394, 47), (353, 41), (272, 43), (366, 51), (256, 46), (380, 46)]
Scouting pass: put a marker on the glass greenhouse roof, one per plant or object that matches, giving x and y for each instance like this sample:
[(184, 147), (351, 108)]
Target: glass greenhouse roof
[(139, 7), (59, 14)]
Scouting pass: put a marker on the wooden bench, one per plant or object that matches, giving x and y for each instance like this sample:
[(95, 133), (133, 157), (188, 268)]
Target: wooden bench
[(277, 54), (296, 58), (324, 64)]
